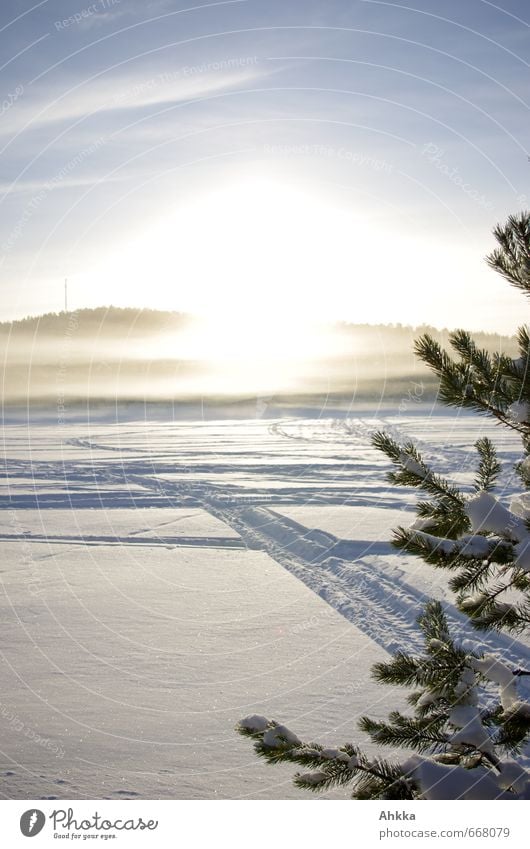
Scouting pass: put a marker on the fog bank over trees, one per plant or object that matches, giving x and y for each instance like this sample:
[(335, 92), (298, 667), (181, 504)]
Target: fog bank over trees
[(129, 354)]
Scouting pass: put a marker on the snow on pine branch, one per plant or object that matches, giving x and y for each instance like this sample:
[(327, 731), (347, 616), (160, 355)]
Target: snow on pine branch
[(487, 514), (518, 412), (471, 546), (465, 736), (451, 775)]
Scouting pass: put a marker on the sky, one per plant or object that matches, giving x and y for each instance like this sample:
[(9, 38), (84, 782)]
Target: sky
[(263, 161)]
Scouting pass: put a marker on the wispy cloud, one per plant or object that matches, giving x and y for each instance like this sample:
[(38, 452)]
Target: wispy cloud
[(35, 186), (183, 101), (127, 92)]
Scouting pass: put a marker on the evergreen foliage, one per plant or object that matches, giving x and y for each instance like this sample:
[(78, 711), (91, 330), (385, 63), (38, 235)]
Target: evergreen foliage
[(468, 725)]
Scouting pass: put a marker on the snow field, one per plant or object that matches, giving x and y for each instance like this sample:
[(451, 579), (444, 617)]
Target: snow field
[(161, 580)]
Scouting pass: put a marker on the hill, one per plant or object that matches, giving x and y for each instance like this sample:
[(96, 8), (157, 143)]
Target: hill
[(128, 354)]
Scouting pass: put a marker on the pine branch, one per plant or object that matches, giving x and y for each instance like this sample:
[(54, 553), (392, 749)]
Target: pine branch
[(472, 383), (414, 471), (487, 615), (512, 257), (418, 733), (471, 578), (491, 576), (449, 678), (489, 467), (329, 767), (439, 669), (433, 624), (453, 553)]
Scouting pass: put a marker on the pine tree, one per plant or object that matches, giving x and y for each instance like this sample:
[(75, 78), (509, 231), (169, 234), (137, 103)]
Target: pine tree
[(468, 741)]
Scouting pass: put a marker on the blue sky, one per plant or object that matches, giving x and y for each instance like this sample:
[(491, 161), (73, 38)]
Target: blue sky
[(337, 159)]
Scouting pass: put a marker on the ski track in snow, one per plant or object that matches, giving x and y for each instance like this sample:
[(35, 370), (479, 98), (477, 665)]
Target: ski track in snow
[(383, 607), (351, 577), (310, 494)]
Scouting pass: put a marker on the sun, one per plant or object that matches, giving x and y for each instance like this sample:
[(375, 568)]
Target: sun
[(254, 247), (266, 266), (252, 260)]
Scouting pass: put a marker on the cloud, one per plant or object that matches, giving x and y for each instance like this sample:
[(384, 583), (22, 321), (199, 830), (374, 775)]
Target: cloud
[(36, 186), (91, 97)]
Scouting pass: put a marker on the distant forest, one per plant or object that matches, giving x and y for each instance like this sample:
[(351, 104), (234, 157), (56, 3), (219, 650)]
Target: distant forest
[(113, 353)]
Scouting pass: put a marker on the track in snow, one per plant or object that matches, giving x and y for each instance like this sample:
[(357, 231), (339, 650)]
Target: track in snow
[(254, 467), (358, 588)]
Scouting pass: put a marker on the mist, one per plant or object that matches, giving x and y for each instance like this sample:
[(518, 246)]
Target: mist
[(114, 354)]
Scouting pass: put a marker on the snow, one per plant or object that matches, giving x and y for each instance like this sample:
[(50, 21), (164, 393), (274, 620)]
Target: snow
[(255, 722), (278, 736), (519, 710), (486, 513), (470, 728), (513, 775), (520, 503), (413, 466), (140, 526), (313, 777), (349, 522), (438, 544), (474, 546), (422, 524), (334, 754), (522, 555), (427, 698), (438, 781), (519, 412), (160, 580), (137, 664), (465, 689), (473, 600), (499, 673)]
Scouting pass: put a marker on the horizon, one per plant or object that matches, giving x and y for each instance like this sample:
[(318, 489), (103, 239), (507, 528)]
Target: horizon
[(193, 316), (132, 354)]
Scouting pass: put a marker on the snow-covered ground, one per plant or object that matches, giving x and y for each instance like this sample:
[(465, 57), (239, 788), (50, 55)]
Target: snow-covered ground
[(162, 579)]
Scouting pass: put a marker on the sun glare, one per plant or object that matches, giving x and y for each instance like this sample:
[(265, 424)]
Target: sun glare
[(264, 265), (254, 246), (251, 260)]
